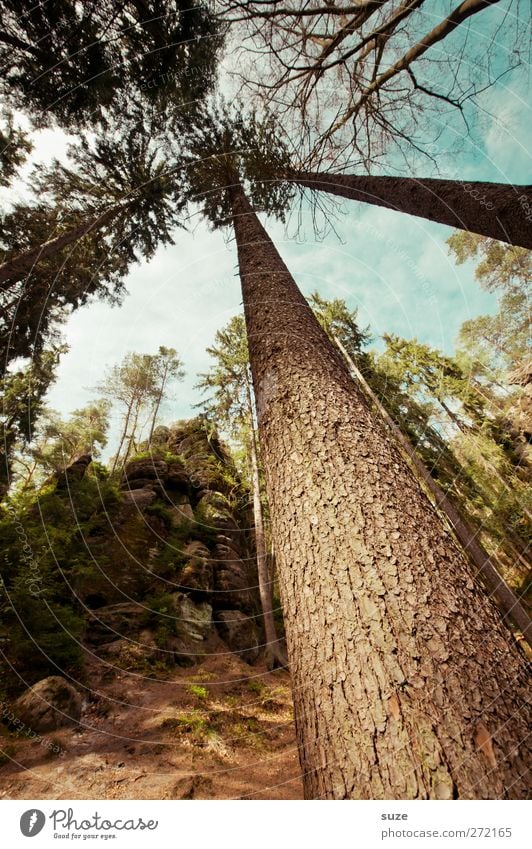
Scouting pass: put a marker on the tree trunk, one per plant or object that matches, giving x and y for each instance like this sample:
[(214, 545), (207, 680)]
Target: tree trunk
[(158, 404), (406, 685), (21, 264), (274, 654), (122, 438), (131, 440), (511, 607), (495, 210), (458, 15)]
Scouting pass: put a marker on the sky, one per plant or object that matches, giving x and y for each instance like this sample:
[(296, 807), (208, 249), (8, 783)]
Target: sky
[(395, 269)]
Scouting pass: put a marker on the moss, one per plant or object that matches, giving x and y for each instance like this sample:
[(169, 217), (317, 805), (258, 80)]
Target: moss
[(199, 692)]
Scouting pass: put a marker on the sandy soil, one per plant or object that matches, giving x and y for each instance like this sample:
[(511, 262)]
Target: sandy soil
[(222, 730)]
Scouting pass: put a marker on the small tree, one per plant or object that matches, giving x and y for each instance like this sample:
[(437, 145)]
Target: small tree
[(232, 404), (168, 367)]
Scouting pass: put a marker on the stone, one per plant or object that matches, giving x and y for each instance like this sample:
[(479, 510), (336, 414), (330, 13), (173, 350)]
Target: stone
[(74, 472), (193, 619), (147, 468), (177, 476), (51, 703), (140, 498), (181, 511), (114, 621), (196, 575), (233, 583), (239, 632)]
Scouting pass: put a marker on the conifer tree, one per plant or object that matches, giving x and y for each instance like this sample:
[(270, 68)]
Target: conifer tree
[(393, 687), (231, 404)]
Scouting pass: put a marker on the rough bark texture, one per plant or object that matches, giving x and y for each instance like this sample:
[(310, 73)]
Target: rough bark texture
[(511, 607), (495, 210), (406, 685), (19, 265), (274, 654)]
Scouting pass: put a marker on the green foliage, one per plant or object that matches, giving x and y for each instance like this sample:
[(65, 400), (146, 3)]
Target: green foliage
[(199, 692), (226, 145), (341, 324), (492, 344), (14, 148), (76, 63), (22, 393)]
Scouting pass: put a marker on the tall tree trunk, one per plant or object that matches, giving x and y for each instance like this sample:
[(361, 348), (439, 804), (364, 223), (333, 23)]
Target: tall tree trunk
[(510, 606), (406, 685), (131, 440), (458, 15), (158, 403), (495, 210), (123, 436), (274, 654), (19, 265)]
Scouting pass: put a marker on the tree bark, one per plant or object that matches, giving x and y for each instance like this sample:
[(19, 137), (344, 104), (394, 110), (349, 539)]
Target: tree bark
[(274, 654), (495, 210), (122, 438), (21, 264), (406, 685), (510, 606), (158, 403), (458, 15)]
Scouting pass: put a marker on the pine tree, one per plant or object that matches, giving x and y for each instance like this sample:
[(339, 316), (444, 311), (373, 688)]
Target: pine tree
[(114, 204), (168, 367), (393, 687), (22, 395), (78, 63), (231, 404)]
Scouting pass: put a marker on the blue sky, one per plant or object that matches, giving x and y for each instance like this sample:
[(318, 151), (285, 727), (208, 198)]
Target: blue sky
[(394, 268)]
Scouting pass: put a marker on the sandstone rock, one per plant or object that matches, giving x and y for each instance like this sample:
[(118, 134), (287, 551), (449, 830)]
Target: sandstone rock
[(147, 468), (196, 576), (74, 472), (140, 498), (193, 619), (114, 621), (233, 584), (51, 703), (160, 435), (177, 476), (239, 632), (181, 511)]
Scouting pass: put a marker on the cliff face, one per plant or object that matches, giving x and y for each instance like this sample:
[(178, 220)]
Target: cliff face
[(149, 570), (177, 562), (135, 618)]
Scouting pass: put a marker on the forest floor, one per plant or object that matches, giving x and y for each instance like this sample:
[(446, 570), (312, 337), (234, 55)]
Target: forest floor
[(222, 730)]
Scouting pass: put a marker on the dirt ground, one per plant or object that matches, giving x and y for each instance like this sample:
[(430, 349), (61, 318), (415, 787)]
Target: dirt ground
[(222, 730)]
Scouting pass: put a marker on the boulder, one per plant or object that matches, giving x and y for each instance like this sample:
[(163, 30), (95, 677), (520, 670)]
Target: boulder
[(147, 468), (140, 498), (234, 585), (181, 511), (177, 476), (74, 472), (196, 576), (193, 626), (239, 632), (193, 619), (51, 703), (114, 621)]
